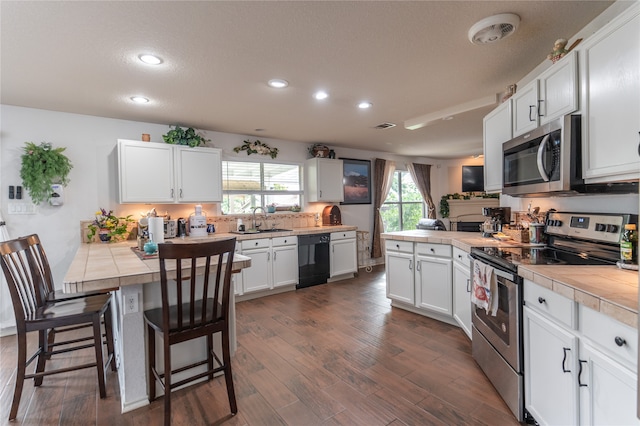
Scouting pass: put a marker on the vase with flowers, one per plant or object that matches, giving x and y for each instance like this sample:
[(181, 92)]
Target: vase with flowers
[(109, 226)]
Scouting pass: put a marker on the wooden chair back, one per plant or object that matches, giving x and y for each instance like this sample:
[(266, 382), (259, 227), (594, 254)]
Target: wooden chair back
[(181, 284)]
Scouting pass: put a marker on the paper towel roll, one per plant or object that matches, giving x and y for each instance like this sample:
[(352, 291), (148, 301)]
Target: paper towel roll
[(156, 229)]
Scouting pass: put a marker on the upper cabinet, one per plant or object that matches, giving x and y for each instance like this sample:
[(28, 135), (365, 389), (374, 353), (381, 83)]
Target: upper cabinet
[(553, 94), (497, 130), (323, 180), (610, 64), (162, 173)]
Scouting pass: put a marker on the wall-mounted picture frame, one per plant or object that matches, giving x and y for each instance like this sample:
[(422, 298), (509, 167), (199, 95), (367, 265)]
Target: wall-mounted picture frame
[(356, 181)]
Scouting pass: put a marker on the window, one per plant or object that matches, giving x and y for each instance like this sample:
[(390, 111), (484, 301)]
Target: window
[(246, 185), (404, 205)]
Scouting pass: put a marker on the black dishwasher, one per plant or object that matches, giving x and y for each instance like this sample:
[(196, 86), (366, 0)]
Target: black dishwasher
[(313, 259)]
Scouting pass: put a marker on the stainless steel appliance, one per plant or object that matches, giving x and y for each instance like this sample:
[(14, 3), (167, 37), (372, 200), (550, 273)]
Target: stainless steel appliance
[(313, 259), (495, 218), (573, 239), (549, 160)]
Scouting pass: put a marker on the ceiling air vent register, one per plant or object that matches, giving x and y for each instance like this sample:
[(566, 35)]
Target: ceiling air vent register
[(494, 28), (384, 125)]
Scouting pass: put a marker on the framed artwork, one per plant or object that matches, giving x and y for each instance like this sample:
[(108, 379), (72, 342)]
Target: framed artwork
[(356, 181)]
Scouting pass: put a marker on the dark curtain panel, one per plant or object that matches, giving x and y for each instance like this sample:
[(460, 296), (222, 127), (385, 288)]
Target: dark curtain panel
[(382, 179), (421, 174)]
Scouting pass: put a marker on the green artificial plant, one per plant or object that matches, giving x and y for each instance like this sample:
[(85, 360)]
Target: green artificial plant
[(42, 166), (180, 136)]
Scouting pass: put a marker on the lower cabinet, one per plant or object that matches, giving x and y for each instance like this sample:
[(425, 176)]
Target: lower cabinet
[(433, 277), (462, 290), (399, 271), (343, 255), (274, 263), (584, 374)]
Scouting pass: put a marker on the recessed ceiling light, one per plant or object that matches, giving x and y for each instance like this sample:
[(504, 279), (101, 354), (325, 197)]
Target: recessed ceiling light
[(278, 83), (139, 99), (259, 130), (150, 59), (320, 95), (365, 105)]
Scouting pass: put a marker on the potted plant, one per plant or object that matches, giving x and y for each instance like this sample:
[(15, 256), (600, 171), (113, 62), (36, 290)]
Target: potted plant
[(180, 136), (109, 226), (271, 208), (42, 166)]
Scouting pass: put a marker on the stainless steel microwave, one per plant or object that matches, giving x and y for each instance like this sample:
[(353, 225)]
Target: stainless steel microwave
[(548, 162)]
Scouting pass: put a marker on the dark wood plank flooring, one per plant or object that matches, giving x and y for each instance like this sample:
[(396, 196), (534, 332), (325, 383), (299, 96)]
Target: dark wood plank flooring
[(334, 354)]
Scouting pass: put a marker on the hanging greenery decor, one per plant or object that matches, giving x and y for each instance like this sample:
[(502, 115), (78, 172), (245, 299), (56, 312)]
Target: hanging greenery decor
[(42, 166), (444, 201), (257, 147)]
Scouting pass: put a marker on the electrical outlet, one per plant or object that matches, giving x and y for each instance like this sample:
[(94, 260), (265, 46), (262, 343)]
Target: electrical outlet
[(130, 303)]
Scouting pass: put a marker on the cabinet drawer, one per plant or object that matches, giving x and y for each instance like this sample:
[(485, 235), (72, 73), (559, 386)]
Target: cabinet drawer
[(342, 235), (401, 246), (284, 241), (259, 243), (606, 333), (430, 249), (461, 256), (550, 303)]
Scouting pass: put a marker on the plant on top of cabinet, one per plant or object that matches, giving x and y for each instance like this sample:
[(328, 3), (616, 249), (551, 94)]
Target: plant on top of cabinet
[(257, 147), (42, 166), (180, 136)]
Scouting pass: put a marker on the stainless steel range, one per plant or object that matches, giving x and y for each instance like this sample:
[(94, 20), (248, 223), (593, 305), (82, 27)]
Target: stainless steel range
[(573, 239)]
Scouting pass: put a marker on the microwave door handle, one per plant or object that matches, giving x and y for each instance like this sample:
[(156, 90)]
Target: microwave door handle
[(541, 169)]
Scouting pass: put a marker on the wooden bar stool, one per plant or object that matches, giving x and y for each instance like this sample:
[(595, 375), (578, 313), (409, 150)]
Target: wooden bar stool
[(190, 312), (33, 312)]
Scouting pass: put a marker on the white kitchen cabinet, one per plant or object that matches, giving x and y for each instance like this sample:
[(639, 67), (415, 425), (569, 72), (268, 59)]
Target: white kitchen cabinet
[(610, 73), (433, 280), (399, 271), (285, 261), (274, 263), (162, 173), (553, 94), (497, 130), (323, 180), (343, 255), (550, 365), (237, 278), (462, 290)]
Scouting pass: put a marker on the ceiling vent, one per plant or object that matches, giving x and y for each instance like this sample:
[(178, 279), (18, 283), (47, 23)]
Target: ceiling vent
[(384, 126), (494, 28)]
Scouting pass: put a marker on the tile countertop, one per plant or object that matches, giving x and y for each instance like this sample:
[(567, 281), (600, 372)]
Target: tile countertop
[(99, 266), (606, 289)]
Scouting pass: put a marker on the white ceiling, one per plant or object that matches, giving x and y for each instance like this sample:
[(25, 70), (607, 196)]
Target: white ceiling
[(408, 58)]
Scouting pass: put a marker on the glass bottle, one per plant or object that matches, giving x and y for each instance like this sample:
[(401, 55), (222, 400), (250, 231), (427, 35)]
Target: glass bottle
[(629, 244)]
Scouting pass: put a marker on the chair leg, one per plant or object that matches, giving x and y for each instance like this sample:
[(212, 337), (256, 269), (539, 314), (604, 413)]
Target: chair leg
[(21, 371), (210, 355), (151, 357), (97, 343), (228, 377), (108, 330), (44, 354), (167, 380)]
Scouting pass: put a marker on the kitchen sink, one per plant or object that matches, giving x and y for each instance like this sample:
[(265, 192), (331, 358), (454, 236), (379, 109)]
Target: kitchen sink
[(260, 231), (275, 230)]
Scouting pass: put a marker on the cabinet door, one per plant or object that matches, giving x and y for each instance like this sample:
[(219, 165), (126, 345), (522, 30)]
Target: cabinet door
[(285, 265), (199, 173), (608, 390), (146, 172), (462, 296), (344, 257), (433, 284), (323, 180), (258, 275), (525, 109), (611, 106), (399, 276), (497, 130), (550, 365), (559, 89)]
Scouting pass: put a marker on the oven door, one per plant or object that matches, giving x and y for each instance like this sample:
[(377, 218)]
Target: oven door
[(503, 331)]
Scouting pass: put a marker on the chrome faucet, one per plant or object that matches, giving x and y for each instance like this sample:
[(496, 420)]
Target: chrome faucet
[(255, 225)]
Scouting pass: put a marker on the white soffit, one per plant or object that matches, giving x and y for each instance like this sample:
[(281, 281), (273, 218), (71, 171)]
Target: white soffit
[(425, 120)]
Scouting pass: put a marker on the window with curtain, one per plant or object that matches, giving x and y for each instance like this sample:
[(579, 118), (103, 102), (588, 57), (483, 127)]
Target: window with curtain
[(404, 206), (246, 185)]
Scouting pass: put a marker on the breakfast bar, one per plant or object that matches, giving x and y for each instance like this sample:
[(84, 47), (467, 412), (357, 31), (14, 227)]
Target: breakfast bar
[(134, 282)]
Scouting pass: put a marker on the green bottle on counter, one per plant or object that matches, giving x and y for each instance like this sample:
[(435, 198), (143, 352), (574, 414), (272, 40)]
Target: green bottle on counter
[(629, 244)]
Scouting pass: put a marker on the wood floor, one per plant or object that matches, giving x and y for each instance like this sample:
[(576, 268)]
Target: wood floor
[(334, 354)]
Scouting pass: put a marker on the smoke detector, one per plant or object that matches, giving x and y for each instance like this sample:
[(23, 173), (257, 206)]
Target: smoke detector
[(494, 28)]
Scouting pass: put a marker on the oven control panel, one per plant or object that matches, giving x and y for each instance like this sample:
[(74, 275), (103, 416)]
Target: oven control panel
[(603, 227)]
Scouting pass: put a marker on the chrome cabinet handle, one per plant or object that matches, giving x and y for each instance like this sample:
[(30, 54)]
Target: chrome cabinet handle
[(564, 360), (171, 192), (320, 193), (620, 341), (410, 264), (180, 192), (274, 255), (468, 285), (530, 110), (268, 256), (418, 268), (539, 109), (580, 384)]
